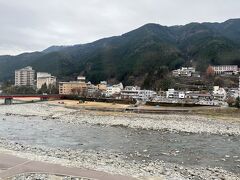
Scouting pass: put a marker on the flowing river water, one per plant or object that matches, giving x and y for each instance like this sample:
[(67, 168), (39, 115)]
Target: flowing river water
[(189, 149)]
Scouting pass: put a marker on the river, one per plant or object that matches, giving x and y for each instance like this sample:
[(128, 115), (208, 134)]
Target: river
[(189, 149)]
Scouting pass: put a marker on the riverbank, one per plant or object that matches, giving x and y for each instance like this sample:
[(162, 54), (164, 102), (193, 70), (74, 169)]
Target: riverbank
[(119, 163), (218, 112), (114, 163), (224, 113), (172, 122), (16, 168)]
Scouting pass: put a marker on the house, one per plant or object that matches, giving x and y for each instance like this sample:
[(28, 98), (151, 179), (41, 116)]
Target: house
[(132, 88), (114, 89), (219, 93), (146, 95), (199, 96), (176, 73), (130, 92), (173, 94), (184, 72), (233, 92), (92, 90), (81, 79), (181, 95)]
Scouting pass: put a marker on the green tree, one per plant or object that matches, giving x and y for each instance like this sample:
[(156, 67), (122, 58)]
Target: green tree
[(18, 90), (51, 89), (44, 89)]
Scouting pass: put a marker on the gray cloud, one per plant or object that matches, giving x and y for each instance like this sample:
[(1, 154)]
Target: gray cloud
[(30, 25)]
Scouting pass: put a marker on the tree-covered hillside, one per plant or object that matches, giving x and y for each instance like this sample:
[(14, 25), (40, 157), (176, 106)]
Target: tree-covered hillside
[(143, 56)]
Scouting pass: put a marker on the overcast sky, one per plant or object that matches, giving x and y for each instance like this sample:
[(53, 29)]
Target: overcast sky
[(31, 25)]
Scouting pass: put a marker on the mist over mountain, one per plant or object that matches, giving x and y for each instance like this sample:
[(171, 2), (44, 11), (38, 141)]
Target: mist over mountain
[(138, 57)]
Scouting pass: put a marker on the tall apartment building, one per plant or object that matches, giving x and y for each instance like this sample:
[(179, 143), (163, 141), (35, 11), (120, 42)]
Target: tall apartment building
[(24, 76), (45, 78)]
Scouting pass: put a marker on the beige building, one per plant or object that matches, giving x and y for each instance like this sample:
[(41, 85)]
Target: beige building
[(73, 87), (45, 78), (24, 77), (102, 86)]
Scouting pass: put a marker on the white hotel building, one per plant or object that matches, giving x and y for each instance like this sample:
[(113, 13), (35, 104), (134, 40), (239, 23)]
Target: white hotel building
[(134, 92), (45, 78), (226, 69)]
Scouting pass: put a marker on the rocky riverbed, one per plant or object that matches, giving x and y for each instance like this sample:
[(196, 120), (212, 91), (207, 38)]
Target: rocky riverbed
[(118, 162), (172, 122), (115, 163), (32, 176)]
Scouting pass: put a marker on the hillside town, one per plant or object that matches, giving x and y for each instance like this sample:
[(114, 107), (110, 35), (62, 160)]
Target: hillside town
[(217, 96), (120, 90)]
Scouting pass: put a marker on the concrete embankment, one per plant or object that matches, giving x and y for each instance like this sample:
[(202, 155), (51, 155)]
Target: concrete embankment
[(13, 166)]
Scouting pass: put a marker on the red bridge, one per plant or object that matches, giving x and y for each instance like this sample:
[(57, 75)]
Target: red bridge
[(9, 98)]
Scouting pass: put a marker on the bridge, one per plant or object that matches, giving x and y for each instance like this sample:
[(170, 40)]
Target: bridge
[(8, 99)]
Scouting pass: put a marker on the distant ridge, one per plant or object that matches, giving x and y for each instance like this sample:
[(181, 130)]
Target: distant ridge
[(142, 56), (54, 49)]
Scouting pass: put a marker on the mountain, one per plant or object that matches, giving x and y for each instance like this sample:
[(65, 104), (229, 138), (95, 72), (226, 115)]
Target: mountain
[(54, 49), (143, 56)]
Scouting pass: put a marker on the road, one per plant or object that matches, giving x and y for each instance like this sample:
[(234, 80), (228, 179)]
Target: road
[(11, 165)]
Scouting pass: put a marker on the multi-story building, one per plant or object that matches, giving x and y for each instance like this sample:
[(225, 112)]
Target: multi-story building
[(25, 76), (225, 69), (233, 92), (172, 93), (114, 89), (134, 92), (219, 93), (184, 72), (132, 88), (73, 87), (45, 78), (92, 90), (129, 94), (206, 96), (146, 95), (102, 86)]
